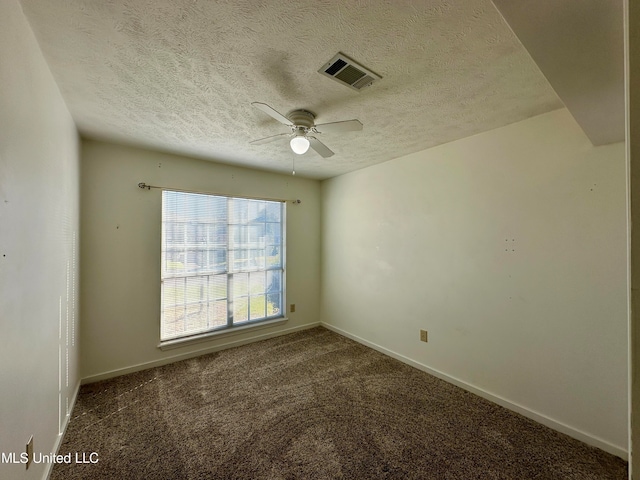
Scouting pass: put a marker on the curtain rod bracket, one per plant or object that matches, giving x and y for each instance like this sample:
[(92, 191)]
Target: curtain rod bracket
[(144, 185)]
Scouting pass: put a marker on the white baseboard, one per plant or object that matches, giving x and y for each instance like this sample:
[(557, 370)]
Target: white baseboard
[(58, 442), (538, 417), (194, 353)]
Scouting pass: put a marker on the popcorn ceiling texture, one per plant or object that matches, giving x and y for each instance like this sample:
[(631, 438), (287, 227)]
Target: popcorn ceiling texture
[(180, 75)]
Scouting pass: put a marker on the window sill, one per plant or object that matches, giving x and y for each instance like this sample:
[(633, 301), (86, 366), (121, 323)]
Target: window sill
[(227, 332)]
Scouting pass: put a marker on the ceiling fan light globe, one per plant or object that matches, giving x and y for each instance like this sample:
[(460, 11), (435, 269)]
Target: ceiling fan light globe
[(299, 145)]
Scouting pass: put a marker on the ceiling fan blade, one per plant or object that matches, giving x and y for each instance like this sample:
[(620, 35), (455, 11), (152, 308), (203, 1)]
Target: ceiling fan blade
[(268, 139), (271, 112), (319, 147), (346, 126)]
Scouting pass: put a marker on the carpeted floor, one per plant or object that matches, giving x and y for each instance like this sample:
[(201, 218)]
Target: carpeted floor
[(310, 405)]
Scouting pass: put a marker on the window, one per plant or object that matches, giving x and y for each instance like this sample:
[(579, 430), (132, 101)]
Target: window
[(222, 262)]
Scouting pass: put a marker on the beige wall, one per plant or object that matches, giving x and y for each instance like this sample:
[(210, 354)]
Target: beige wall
[(509, 247), (38, 249), (121, 251)]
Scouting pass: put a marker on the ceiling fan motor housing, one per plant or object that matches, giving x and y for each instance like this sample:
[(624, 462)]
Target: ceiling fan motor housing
[(302, 118)]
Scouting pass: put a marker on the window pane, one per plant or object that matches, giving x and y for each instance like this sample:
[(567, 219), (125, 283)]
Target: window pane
[(239, 210), (172, 322), (185, 319), (217, 235), (240, 310), (257, 283), (200, 260), (256, 211), (274, 283), (218, 287), (257, 304), (171, 293), (196, 320), (273, 257), (240, 284), (173, 261), (219, 313), (195, 289), (219, 261), (256, 237), (238, 236), (239, 260), (273, 212), (256, 260), (274, 305), (272, 234)]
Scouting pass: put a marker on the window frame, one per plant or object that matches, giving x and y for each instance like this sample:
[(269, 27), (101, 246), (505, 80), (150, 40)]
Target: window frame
[(246, 227)]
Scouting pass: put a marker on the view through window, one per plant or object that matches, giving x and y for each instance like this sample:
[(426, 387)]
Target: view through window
[(222, 262)]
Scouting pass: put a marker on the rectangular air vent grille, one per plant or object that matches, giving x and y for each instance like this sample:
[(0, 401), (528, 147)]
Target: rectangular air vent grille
[(349, 73), (336, 67)]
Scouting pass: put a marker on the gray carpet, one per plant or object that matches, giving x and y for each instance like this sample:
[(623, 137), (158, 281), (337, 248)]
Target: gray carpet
[(310, 405)]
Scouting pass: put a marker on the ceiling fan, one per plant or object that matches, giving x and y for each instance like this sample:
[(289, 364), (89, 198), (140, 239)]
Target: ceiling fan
[(303, 129)]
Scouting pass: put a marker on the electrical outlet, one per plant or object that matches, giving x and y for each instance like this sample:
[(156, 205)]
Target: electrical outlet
[(423, 336), (29, 451), (292, 307)]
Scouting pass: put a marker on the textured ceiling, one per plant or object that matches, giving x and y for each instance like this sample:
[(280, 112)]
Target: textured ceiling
[(180, 75)]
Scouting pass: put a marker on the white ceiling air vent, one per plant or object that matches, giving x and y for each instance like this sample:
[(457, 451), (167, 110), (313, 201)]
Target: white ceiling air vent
[(347, 72)]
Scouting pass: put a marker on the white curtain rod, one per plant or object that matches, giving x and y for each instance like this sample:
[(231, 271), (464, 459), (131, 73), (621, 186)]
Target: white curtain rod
[(146, 186)]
